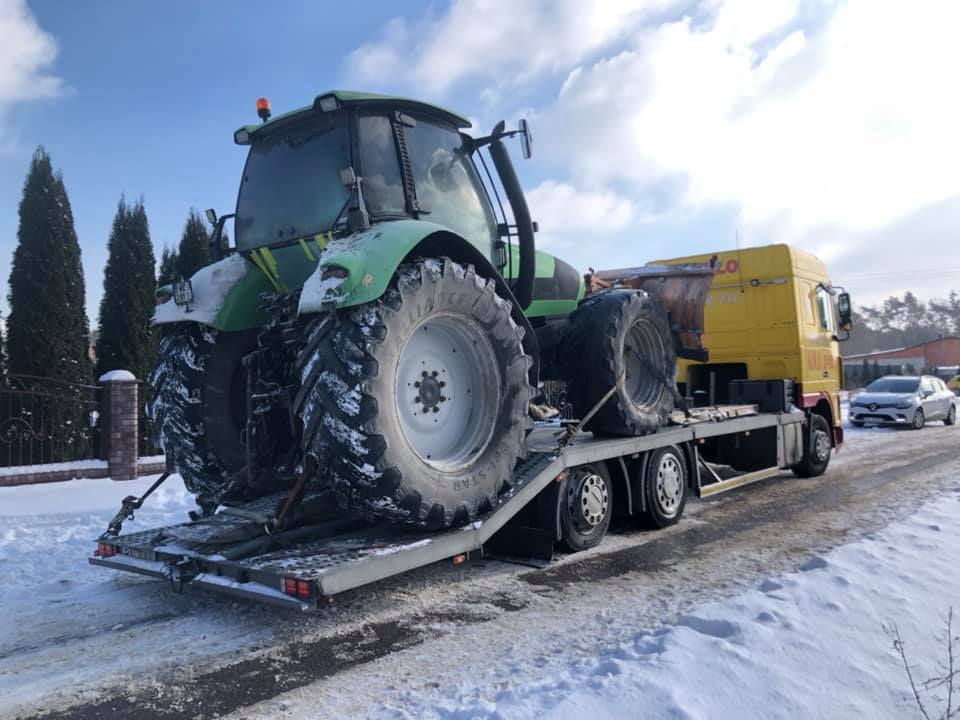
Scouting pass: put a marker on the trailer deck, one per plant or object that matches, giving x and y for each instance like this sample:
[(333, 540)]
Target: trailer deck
[(231, 553)]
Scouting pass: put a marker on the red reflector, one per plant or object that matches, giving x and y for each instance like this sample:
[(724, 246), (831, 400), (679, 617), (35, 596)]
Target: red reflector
[(302, 589), (105, 550)]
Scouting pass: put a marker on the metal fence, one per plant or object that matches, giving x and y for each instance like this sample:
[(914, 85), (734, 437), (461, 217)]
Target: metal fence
[(47, 421), (146, 448)]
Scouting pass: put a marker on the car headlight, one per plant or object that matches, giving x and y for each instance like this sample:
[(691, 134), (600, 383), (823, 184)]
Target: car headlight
[(905, 404)]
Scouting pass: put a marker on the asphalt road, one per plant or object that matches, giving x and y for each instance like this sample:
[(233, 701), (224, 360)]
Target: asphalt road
[(720, 547)]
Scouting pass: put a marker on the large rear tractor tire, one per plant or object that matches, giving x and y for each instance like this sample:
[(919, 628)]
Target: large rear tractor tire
[(417, 402), (197, 405), (614, 333)]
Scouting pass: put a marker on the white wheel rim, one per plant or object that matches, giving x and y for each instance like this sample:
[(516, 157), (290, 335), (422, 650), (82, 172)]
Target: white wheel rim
[(669, 485), (644, 362), (447, 391)]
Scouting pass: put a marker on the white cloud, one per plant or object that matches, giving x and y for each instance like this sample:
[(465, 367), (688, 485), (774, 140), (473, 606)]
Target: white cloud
[(26, 53), (830, 124), (855, 125), (487, 40), (566, 209)]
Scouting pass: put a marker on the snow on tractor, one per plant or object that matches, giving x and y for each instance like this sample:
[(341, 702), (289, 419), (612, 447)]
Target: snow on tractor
[(379, 328)]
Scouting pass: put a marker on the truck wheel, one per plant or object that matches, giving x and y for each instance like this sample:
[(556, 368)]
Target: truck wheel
[(198, 405), (621, 333), (418, 401), (816, 448), (586, 506), (665, 487)]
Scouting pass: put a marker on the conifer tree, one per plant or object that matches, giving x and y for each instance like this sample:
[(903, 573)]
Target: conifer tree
[(168, 271), (3, 357), (125, 340), (194, 250), (47, 332)]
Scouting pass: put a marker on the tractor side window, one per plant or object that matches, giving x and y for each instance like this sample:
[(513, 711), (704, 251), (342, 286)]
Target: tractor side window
[(447, 184), (824, 310), (382, 185)]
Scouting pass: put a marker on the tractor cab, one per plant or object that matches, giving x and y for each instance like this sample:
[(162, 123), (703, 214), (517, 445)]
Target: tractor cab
[(353, 160)]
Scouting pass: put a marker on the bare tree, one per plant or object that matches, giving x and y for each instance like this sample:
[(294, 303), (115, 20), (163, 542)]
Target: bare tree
[(932, 690)]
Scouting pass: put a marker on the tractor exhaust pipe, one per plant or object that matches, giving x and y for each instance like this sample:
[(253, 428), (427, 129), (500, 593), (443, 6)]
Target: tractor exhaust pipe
[(523, 287)]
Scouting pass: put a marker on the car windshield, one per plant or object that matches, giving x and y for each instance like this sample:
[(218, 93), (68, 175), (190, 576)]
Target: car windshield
[(894, 385), (291, 184)]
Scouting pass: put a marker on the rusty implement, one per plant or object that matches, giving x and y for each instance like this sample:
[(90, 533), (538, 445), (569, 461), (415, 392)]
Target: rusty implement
[(681, 290)]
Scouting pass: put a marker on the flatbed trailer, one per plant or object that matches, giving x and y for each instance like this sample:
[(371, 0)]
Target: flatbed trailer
[(230, 552)]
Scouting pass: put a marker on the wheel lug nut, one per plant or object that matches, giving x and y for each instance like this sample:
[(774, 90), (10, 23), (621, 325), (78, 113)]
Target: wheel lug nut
[(436, 409), (443, 398), (424, 374), (442, 384), (416, 399), (416, 384), (434, 373), (426, 409)]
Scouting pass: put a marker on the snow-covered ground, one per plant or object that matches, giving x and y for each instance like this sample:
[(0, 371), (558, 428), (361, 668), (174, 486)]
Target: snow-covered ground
[(56, 609), (805, 641), (806, 644)]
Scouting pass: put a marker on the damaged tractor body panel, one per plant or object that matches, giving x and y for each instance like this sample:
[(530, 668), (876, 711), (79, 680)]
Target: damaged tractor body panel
[(681, 290)]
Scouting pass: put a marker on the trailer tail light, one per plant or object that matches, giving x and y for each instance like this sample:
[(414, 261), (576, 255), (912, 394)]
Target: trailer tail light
[(105, 550), (302, 589)]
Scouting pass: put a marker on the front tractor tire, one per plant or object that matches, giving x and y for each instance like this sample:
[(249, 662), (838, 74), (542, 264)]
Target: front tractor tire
[(417, 403), (197, 406), (614, 334)]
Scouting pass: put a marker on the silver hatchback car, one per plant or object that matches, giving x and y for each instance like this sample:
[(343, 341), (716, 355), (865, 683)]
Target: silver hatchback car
[(903, 400)]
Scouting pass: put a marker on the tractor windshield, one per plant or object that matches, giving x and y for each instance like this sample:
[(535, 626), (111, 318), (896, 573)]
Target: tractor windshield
[(291, 184)]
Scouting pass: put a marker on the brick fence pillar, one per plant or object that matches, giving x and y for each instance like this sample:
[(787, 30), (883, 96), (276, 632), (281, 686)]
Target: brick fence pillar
[(119, 432)]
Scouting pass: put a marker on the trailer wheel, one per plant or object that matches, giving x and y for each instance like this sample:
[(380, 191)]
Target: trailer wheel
[(586, 506), (197, 405), (621, 333), (665, 487), (816, 448), (418, 402)]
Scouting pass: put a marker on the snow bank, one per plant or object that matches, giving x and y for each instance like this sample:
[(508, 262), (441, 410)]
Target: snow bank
[(807, 644), (52, 467), (48, 531)]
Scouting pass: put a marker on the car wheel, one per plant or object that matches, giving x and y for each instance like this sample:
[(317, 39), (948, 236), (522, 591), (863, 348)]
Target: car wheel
[(951, 416), (918, 419)]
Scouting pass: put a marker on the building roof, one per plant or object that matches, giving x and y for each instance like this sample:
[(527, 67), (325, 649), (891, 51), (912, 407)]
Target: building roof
[(881, 353)]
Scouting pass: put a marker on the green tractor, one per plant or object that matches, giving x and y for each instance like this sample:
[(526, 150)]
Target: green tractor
[(378, 328)]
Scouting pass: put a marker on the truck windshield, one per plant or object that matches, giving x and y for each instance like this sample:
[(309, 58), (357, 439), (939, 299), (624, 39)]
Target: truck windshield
[(894, 385), (291, 184)]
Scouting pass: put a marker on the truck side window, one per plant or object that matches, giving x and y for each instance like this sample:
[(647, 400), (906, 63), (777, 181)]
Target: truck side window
[(824, 310)]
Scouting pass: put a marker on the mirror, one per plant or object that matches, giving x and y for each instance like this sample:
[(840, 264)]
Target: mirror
[(526, 139), (845, 311)]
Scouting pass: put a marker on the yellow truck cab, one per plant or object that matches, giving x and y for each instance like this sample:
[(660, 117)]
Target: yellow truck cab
[(771, 314)]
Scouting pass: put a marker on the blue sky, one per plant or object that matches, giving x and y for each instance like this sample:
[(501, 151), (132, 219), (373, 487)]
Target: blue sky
[(662, 128)]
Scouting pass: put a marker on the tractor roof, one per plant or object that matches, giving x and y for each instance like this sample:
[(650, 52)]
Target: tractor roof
[(350, 97)]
